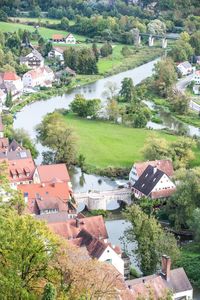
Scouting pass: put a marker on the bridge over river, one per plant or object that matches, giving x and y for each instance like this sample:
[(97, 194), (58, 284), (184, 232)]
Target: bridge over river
[(100, 199)]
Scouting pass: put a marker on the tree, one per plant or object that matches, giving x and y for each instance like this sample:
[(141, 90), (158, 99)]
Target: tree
[(181, 152), (195, 42), (83, 107), (54, 133), (8, 101), (156, 27), (179, 102), (181, 51), (64, 24), (49, 292), (164, 76), (156, 148), (151, 239), (22, 137), (112, 110), (95, 51), (25, 256), (194, 224), (127, 90), (106, 50)]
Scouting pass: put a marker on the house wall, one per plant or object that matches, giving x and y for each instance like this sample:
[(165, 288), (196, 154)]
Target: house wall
[(196, 78), (110, 256), (36, 177), (133, 176), (164, 183), (70, 39), (187, 294)]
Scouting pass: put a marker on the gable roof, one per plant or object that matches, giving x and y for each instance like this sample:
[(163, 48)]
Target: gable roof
[(61, 216), (178, 282), (50, 203), (57, 36), (10, 76), (185, 64), (47, 173), (14, 145), (164, 165), (148, 180), (70, 229)]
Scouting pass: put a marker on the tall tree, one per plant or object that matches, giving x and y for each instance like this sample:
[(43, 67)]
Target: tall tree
[(127, 90)]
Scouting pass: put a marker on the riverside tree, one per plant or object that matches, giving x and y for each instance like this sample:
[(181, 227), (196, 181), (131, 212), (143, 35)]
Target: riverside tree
[(83, 107), (151, 239), (127, 90), (54, 133)]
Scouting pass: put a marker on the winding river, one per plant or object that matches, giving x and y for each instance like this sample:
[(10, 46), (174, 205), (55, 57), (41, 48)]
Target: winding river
[(32, 114)]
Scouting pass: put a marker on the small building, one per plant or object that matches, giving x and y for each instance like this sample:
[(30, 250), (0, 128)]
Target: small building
[(185, 68), (47, 173), (155, 286), (196, 89), (32, 60), (154, 184), (40, 77), (60, 38), (48, 198), (11, 82), (196, 77), (56, 53), (164, 165)]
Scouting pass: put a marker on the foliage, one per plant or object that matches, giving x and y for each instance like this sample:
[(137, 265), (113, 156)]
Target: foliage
[(156, 27), (83, 107), (195, 42), (8, 101), (106, 50), (112, 110), (181, 51), (194, 224), (151, 239), (55, 134), (49, 292), (156, 148), (179, 102), (164, 76), (127, 90)]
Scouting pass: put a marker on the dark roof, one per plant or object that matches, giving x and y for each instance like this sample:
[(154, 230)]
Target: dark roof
[(15, 155), (14, 145), (148, 180)]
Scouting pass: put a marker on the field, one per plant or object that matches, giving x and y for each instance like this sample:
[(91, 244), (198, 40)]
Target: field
[(46, 33), (105, 144)]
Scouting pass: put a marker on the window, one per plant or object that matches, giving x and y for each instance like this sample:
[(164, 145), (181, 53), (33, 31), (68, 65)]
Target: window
[(109, 261)]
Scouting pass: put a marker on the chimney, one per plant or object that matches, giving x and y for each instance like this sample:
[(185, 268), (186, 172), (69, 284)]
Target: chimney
[(166, 267), (154, 170), (77, 223)]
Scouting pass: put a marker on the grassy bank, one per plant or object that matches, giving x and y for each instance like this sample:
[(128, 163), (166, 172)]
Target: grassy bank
[(105, 144)]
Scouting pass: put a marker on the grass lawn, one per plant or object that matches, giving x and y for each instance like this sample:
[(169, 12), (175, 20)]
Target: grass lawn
[(105, 144), (44, 32), (35, 20), (117, 62)]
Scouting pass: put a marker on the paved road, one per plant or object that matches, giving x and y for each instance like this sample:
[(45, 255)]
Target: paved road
[(181, 86)]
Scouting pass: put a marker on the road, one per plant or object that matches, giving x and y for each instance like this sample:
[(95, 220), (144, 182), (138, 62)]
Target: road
[(181, 86)]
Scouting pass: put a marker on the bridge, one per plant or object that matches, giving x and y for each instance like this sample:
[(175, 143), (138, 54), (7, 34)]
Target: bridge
[(100, 199), (152, 37)]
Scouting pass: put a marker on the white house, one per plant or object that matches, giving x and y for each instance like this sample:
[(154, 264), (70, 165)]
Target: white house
[(42, 76), (11, 82), (153, 183), (185, 68), (196, 89), (60, 38), (175, 281), (32, 60), (57, 53), (196, 77), (70, 39), (164, 165)]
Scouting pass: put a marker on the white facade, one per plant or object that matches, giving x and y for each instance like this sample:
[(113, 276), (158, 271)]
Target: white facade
[(133, 176), (163, 184), (196, 77), (110, 256), (185, 69), (38, 77), (17, 83), (196, 89), (188, 295), (70, 39), (54, 53)]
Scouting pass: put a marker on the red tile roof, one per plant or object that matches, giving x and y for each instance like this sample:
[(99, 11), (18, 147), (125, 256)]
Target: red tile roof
[(21, 169), (57, 36), (71, 228), (59, 172), (10, 76), (164, 165)]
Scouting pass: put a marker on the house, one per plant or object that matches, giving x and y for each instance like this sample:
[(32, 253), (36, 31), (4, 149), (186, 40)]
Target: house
[(185, 68), (11, 82), (48, 198), (15, 146), (47, 173), (60, 38), (91, 233), (196, 89), (197, 59), (164, 165), (100, 250), (42, 76), (2, 98), (153, 183), (4, 144), (196, 77), (32, 60), (156, 285), (1, 128), (56, 53)]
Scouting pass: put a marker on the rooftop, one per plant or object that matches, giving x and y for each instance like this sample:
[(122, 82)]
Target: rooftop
[(10, 76), (47, 173), (164, 165)]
